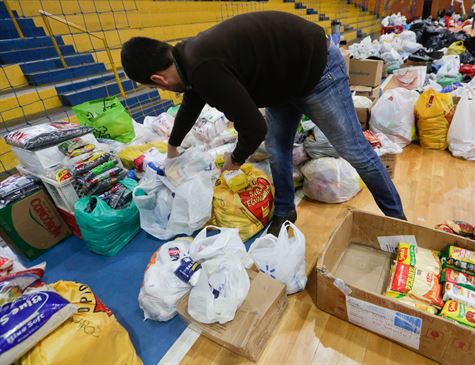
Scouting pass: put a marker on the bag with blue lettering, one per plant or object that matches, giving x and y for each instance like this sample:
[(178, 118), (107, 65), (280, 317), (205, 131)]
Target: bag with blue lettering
[(28, 319), (283, 257)]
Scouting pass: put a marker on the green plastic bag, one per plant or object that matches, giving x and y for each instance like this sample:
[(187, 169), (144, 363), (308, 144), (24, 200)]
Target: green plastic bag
[(105, 230), (108, 117), (446, 80)]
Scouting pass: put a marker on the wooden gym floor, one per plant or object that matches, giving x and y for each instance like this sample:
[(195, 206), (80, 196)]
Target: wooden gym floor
[(434, 186)]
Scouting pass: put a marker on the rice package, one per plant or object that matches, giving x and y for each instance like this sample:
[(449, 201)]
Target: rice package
[(44, 135), (92, 336), (460, 294), (459, 312), (459, 259), (249, 209), (456, 277), (419, 257), (28, 319)]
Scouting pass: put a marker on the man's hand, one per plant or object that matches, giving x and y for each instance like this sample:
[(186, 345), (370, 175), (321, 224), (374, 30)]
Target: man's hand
[(229, 164), (172, 151)]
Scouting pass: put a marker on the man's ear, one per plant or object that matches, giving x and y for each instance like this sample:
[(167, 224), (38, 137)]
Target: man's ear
[(159, 79)]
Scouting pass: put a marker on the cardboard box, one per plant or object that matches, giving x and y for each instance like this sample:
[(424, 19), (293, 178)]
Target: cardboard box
[(363, 116), (39, 161), (32, 225), (350, 277), (366, 72), (389, 162), (346, 56), (254, 322), (367, 91)]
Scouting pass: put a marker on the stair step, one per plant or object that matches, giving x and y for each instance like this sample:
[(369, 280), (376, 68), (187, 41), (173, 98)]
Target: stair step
[(62, 74), (34, 54), (139, 114), (55, 62), (74, 85), (140, 97), (4, 13), (95, 92), (28, 27), (26, 43)]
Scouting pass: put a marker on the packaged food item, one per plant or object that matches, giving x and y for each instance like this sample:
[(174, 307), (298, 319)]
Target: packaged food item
[(444, 227), (75, 147), (44, 135), (372, 139), (89, 162), (461, 228), (459, 259), (236, 180), (17, 187), (92, 336), (28, 319), (96, 171), (460, 294), (15, 283), (419, 257), (459, 312), (6, 265), (457, 277), (420, 284)]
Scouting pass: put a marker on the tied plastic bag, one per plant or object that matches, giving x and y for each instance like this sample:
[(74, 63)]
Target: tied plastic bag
[(434, 112), (92, 336), (283, 257), (450, 66), (456, 48), (248, 210), (108, 117), (393, 115), (387, 146), (226, 240), (461, 135), (161, 287), (222, 287), (299, 156), (167, 211), (106, 230), (330, 180), (187, 165)]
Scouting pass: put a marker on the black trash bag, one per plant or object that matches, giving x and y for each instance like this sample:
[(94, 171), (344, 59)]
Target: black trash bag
[(470, 45), (436, 55), (467, 57)]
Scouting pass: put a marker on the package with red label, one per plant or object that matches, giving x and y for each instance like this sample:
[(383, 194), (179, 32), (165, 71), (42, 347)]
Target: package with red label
[(249, 209), (422, 258), (418, 283), (459, 312), (460, 259), (456, 277)]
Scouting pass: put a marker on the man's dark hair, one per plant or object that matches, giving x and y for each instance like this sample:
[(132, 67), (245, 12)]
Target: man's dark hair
[(141, 57)]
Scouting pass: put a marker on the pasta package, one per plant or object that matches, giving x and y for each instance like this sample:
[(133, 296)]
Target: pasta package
[(422, 258), (459, 312), (459, 259), (457, 277), (460, 294), (420, 284)]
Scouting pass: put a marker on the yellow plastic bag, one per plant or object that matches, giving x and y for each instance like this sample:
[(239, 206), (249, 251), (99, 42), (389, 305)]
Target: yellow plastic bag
[(456, 48), (249, 209), (434, 112), (129, 154), (92, 336)]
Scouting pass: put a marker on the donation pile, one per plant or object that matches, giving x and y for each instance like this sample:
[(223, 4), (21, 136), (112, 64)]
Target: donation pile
[(458, 227), (440, 283)]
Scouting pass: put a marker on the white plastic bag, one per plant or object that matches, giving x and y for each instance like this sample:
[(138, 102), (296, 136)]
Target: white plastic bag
[(461, 136), (393, 115), (161, 288), (161, 125), (387, 146), (361, 101), (222, 287), (283, 257), (184, 167), (227, 241), (167, 211), (450, 66), (330, 180), (408, 35)]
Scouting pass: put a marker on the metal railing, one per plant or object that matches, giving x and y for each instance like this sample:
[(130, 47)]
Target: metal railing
[(46, 19), (15, 22)]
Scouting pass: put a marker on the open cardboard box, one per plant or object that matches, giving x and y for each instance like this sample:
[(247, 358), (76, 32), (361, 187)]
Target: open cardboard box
[(351, 276)]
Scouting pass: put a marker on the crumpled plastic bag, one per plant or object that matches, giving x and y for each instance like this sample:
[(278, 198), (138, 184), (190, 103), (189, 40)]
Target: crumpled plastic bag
[(317, 145), (330, 180), (361, 101)]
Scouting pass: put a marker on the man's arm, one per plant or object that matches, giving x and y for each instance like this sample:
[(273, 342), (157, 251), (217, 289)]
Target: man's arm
[(189, 111), (222, 90)]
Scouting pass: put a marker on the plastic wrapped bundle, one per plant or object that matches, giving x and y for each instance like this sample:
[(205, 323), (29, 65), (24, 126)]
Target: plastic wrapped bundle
[(317, 145), (330, 180)]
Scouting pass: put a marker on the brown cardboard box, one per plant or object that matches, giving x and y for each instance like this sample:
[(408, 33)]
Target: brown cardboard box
[(363, 116), (351, 275), (389, 162), (366, 72), (346, 55), (32, 225), (367, 91), (254, 322)]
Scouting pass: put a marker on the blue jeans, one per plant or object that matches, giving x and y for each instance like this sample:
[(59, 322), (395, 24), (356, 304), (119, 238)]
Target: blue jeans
[(330, 106)]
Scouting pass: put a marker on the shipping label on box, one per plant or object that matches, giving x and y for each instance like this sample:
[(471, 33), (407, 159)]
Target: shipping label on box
[(32, 225)]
